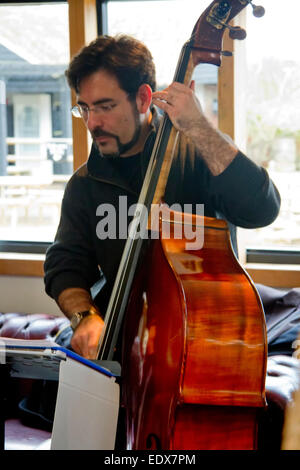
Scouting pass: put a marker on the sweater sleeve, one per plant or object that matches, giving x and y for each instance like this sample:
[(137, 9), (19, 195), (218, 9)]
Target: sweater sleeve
[(69, 260), (245, 194)]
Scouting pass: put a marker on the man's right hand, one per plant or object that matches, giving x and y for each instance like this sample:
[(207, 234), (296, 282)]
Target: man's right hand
[(86, 337)]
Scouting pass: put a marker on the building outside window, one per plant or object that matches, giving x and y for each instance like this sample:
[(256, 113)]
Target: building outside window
[(36, 152)]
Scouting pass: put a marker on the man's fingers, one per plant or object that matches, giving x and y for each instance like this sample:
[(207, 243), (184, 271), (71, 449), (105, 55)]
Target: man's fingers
[(163, 97), (86, 337), (75, 344), (93, 342), (85, 347), (162, 105)]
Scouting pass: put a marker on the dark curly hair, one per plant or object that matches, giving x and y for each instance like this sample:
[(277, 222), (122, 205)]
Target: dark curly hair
[(125, 57)]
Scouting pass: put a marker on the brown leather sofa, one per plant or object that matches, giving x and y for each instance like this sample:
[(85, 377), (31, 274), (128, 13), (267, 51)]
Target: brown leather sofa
[(281, 382)]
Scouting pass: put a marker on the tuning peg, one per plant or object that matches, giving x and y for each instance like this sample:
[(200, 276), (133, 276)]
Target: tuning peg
[(235, 32), (227, 53), (258, 11)]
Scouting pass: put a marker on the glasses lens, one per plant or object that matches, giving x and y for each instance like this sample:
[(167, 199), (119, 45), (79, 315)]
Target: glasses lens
[(76, 112)]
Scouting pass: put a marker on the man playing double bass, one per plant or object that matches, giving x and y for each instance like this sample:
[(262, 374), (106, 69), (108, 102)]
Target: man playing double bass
[(114, 81)]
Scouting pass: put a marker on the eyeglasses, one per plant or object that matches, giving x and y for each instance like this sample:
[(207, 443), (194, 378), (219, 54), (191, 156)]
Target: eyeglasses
[(82, 111)]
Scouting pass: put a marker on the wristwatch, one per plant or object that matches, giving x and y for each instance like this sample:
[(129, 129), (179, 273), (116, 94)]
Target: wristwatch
[(78, 316)]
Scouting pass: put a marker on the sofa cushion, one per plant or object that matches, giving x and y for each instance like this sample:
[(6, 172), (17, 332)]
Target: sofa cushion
[(31, 326)]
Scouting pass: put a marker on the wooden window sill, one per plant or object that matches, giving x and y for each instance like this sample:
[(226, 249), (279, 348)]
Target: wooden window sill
[(273, 275), (18, 264)]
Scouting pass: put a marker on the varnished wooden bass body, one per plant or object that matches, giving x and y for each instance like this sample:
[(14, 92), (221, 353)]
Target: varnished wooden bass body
[(195, 347)]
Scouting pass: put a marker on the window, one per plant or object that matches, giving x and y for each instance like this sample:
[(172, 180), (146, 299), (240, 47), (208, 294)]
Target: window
[(36, 157), (271, 94), (148, 21), (36, 160)]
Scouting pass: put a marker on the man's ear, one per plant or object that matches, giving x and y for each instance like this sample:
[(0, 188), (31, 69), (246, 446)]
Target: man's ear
[(143, 98)]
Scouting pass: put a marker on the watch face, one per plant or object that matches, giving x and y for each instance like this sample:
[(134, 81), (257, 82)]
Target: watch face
[(75, 320), (78, 316)]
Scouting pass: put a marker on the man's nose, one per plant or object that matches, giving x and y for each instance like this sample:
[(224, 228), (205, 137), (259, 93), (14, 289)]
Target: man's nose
[(94, 120)]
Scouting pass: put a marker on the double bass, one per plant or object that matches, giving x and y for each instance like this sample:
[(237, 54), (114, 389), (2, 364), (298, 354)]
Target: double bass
[(192, 324)]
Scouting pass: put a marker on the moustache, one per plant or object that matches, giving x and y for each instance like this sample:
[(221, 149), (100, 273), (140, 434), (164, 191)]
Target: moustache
[(100, 133)]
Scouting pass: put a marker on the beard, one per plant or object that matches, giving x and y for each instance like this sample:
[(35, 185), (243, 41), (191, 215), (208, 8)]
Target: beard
[(121, 148)]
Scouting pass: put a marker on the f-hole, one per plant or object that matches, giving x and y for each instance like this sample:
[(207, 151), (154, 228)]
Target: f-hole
[(153, 442)]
